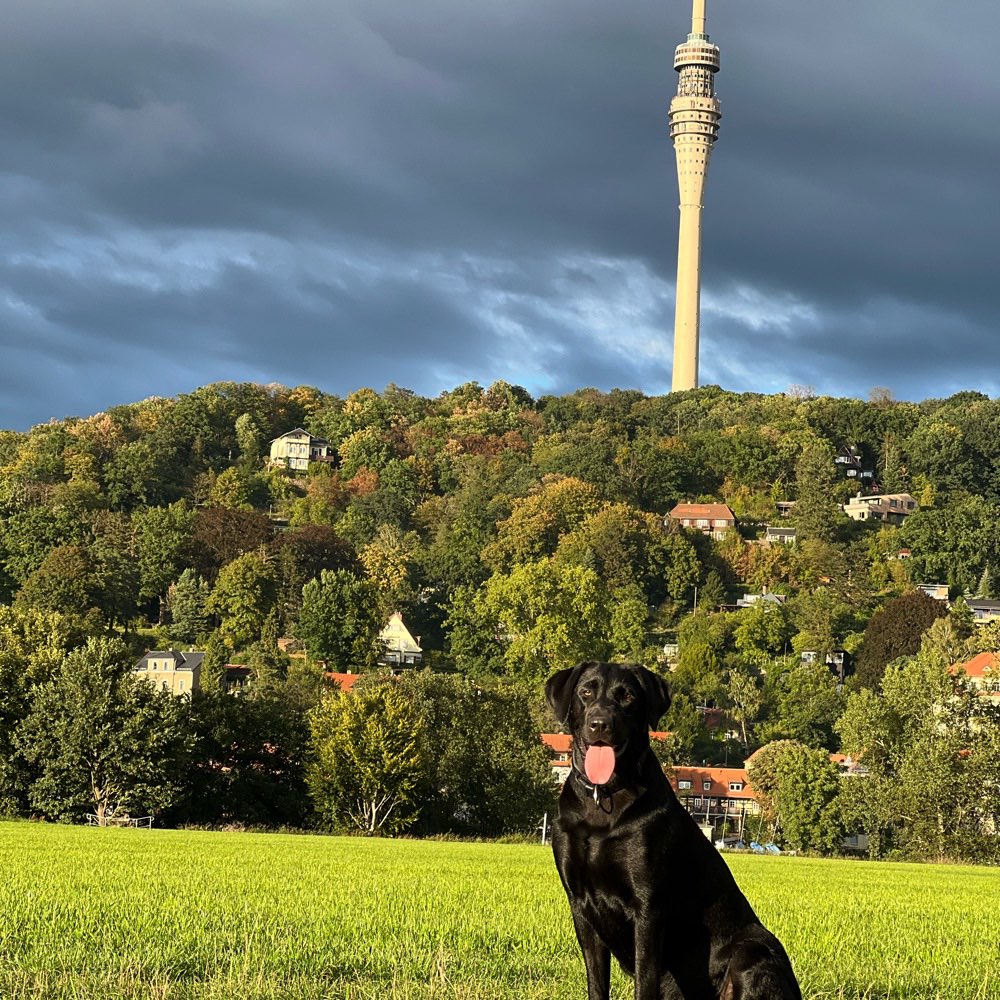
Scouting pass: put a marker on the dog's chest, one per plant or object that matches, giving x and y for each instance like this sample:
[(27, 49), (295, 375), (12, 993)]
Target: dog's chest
[(600, 871)]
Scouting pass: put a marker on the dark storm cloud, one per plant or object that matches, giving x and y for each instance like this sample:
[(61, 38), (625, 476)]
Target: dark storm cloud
[(369, 191)]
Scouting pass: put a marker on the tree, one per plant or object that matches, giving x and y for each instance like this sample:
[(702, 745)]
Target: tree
[(301, 554), (188, 600), (112, 552), (893, 632), (29, 535), (164, 543), (537, 522), (699, 673), (797, 789), (654, 471), (940, 454), (213, 666), (892, 473), (712, 592), (220, 536), (744, 700), (33, 645), (64, 582), (103, 740), (268, 663), (586, 453), (249, 762), (955, 543), (488, 773), (804, 705), (236, 489), (689, 740), (145, 471), (816, 515), (243, 595), (822, 620), (340, 619), (808, 806), (629, 611), (537, 618), (932, 747), (248, 439), (389, 562), (367, 760), (762, 631)]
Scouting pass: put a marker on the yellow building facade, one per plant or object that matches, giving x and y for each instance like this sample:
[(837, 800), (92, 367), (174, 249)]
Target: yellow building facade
[(171, 670)]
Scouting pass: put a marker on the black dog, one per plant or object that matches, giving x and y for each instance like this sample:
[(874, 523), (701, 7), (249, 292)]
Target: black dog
[(644, 883)]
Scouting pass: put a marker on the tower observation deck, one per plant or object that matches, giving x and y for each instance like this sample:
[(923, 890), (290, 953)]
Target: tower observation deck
[(694, 126)]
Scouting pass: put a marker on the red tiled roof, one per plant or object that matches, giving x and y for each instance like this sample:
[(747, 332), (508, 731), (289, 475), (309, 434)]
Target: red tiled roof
[(560, 742), (978, 664), (719, 777), (344, 681), (563, 742), (716, 511)]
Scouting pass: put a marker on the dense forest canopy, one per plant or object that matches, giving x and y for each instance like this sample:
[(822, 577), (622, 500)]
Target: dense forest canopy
[(430, 496), (515, 535)]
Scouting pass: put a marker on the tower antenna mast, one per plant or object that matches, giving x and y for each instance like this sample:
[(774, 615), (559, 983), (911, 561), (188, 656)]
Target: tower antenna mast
[(694, 126)]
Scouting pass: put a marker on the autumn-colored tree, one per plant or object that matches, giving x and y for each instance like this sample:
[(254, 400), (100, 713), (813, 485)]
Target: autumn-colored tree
[(221, 535), (537, 522)]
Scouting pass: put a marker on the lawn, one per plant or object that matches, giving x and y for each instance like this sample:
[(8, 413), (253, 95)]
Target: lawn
[(88, 913)]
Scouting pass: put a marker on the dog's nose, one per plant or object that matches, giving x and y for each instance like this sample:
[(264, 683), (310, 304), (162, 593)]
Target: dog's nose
[(598, 728)]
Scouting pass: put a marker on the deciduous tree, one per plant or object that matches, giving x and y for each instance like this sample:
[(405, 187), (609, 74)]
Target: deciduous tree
[(541, 616), (244, 593), (103, 740), (340, 619), (895, 631), (367, 760)]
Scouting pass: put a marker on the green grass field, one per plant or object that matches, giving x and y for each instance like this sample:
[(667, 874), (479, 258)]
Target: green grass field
[(97, 914)]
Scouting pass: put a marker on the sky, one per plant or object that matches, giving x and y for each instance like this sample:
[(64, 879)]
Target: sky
[(348, 193)]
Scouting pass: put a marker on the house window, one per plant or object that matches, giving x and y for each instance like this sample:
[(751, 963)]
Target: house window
[(736, 786), (683, 785), (706, 785), (703, 522)]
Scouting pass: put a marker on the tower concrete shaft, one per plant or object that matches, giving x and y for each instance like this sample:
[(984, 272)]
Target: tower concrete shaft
[(694, 126)]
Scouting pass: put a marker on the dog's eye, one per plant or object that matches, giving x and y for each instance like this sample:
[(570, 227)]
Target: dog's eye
[(625, 697), (586, 694)]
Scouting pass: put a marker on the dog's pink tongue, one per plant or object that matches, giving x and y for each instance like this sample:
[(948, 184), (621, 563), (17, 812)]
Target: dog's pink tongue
[(599, 764)]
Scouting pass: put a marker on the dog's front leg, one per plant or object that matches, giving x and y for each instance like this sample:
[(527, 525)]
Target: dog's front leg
[(596, 957), (647, 959)]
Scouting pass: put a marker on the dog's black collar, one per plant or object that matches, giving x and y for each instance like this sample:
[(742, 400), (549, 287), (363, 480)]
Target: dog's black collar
[(596, 792)]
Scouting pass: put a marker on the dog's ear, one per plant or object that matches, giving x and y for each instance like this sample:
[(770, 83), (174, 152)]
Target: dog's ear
[(656, 693), (559, 690)]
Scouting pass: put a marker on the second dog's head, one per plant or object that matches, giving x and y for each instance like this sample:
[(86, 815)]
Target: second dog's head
[(609, 708)]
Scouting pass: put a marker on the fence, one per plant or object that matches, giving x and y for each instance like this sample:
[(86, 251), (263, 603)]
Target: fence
[(144, 822)]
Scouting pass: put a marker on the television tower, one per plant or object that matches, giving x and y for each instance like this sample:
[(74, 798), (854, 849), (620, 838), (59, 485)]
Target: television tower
[(694, 127)]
